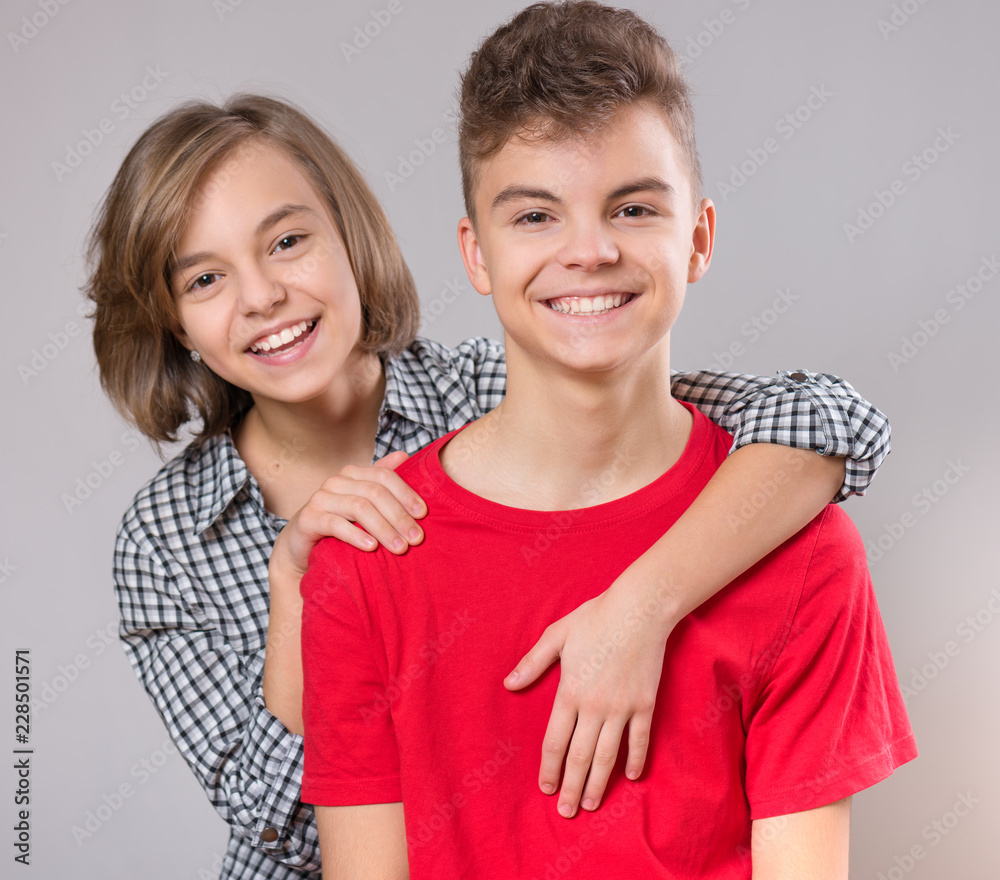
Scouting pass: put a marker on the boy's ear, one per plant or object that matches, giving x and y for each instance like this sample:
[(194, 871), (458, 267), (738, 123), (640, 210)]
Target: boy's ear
[(702, 241), (472, 256)]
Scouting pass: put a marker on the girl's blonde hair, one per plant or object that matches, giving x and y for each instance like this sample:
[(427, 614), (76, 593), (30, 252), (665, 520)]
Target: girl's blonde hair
[(144, 369)]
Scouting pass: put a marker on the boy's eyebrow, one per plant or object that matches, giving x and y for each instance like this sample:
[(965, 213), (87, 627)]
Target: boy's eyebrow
[(276, 216), (516, 191), (643, 184)]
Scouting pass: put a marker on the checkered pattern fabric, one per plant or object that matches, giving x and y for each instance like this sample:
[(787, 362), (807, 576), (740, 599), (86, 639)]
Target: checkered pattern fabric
[(190, 572)]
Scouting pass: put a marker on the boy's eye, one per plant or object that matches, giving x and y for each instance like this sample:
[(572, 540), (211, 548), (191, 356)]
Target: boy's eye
[(533, 218), (289, 241), (633, 211)]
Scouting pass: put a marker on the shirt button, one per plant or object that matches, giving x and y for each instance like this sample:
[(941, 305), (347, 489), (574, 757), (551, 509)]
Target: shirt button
[(798, 377), (269, 835)]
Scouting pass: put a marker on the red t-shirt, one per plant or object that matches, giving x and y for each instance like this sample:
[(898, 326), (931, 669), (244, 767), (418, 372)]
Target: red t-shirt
[(778, 694)]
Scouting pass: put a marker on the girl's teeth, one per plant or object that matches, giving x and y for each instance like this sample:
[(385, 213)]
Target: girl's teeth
[(276, 340)]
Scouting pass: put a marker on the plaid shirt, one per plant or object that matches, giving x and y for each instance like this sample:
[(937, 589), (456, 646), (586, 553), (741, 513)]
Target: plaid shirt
[(190, 571)]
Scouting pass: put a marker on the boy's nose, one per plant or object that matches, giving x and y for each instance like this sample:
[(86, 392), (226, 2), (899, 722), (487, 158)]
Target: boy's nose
[(589, 247)]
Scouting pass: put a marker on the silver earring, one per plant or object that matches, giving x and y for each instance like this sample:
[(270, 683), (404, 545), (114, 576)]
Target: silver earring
[(195, 356)]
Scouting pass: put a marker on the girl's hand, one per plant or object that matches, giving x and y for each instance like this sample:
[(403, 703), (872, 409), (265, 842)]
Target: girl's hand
[(611, 653), (375, 498)]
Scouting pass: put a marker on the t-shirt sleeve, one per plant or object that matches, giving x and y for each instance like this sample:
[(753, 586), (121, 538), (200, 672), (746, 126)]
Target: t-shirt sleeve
[(351, 756), (829, 720)]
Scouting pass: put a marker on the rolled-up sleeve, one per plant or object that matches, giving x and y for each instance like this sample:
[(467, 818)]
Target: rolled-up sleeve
[(799, 409)]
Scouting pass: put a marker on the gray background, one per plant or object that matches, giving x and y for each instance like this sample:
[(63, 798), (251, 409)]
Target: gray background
[(858, 299)]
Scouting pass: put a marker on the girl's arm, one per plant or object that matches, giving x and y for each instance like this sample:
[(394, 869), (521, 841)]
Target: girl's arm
[(611, 648), (759, 498)]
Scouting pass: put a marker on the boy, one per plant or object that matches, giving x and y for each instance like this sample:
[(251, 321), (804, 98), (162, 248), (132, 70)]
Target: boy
[(779, 700)]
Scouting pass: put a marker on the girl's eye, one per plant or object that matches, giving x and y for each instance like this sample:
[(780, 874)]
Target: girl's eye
[(289, 241), (203, 281)]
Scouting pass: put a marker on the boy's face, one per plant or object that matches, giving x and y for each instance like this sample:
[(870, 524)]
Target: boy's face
[(587, 245)]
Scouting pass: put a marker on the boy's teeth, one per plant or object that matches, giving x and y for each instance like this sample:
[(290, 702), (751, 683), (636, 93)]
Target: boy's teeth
[(587, 305), (276, 340)]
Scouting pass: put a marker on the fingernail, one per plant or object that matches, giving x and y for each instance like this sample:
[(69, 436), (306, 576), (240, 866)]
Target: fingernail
[(565, 810), (548, 788), (589, 804), (514, 677), (370, 543), (417, 510), (632, 774), (399, 545), (415, 535)]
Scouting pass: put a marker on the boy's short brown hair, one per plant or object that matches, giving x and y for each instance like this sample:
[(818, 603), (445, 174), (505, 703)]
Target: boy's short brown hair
[(561, 69), (146, 372)]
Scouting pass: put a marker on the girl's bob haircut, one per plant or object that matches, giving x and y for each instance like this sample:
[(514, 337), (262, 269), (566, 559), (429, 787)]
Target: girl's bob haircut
[(147, 373)]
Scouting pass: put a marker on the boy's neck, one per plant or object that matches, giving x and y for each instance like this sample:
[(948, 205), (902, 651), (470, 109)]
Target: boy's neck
[(561, 441)]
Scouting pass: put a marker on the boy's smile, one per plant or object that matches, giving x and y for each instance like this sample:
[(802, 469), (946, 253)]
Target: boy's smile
[(587, 244)]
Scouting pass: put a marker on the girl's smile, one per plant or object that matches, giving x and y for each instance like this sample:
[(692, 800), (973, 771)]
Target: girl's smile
[(264, 288)]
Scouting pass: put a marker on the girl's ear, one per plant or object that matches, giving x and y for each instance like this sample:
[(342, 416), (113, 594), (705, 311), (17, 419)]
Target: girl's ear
[(472, 257)]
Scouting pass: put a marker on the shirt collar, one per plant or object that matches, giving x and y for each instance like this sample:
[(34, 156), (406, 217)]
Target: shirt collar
[(226, 475), (407, 387)]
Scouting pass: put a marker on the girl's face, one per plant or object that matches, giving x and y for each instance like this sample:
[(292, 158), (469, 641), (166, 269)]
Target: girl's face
[(263, 286)]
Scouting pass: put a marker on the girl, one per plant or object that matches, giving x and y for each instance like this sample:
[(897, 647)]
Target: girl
[(245, 276)]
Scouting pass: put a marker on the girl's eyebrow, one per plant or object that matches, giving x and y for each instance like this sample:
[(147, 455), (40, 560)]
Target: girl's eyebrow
[(279, 214), (276, 216)]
